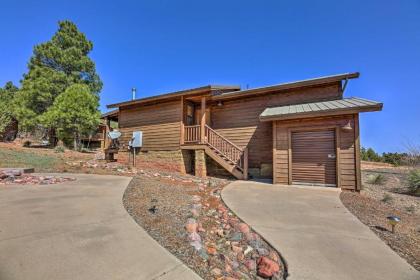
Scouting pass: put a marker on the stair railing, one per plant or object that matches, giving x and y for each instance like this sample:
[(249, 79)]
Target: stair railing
[(225, 147)]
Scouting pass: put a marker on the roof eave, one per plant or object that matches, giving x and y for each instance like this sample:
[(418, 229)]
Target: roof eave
[(341, 111), (288, 86)]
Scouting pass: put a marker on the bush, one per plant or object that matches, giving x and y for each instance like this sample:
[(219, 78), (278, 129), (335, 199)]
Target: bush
[(414, 182), (59, 149), (377, 179), (27, 143), (395, 159)]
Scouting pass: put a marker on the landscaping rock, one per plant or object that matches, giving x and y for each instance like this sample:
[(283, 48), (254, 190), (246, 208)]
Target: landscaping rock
[(267, 267), (191, 226), (244, 228)]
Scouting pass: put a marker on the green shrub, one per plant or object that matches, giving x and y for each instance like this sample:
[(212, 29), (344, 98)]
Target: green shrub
[(414, 182), (386, 198), (377, 179), (59, 149)]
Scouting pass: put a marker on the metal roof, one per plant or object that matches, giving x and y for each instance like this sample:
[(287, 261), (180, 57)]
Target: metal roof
[(287, 86), (333, 107)]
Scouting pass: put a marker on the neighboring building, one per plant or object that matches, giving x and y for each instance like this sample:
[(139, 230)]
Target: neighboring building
[(10, 132), (302, 132)]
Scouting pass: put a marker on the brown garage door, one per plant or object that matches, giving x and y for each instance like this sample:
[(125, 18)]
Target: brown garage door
[(314, 157)]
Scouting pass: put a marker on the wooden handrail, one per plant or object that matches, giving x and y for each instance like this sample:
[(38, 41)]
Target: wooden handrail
[(192, 134), (225, 147), (227, 140)]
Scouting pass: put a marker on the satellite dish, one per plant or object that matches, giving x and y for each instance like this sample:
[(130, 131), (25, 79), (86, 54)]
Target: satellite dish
[(115, 134)]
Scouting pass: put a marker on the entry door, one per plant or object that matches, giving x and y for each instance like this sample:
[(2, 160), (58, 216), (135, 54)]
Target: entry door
[(314, 157)]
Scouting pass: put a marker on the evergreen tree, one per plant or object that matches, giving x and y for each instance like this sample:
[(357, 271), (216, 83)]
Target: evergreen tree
[(7, 96), (74, 113), (54, 67)]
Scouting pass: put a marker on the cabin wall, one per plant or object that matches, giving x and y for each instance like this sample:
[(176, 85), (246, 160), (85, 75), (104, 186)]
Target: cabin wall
[(346, 141), (160, 124), (238, 120)]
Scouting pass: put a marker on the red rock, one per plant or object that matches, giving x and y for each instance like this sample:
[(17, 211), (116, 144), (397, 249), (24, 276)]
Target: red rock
[(191, 226), (244, 228), (211, 250), (267, 267), (3, 175)]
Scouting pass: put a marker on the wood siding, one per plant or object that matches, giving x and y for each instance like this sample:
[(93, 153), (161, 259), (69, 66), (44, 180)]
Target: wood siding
[(345, 139), (160, 124), (238, 120)]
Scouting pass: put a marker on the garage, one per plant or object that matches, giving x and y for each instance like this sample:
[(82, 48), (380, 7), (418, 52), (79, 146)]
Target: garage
[(318, 144), (314, 157)]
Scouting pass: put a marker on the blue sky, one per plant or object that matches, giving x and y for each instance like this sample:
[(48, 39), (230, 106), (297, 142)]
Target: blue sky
[(161, 46)]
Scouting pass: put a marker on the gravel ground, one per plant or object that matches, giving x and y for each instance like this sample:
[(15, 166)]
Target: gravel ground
[(393, 191), (186, 216), (376, 202)]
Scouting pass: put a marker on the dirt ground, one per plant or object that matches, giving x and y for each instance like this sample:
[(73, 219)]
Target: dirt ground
[(46, 160), (166, 204), (388, 198)]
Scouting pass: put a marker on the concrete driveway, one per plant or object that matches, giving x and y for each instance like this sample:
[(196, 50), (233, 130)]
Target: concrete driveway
[(315, 233), (78, 230)]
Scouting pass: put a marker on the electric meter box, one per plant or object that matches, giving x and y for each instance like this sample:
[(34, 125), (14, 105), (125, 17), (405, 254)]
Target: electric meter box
[(137, 141)]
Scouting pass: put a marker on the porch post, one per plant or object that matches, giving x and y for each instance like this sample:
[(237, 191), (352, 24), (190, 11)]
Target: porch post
[(246, 163), (203, 119), (182, 132), (107, 129)]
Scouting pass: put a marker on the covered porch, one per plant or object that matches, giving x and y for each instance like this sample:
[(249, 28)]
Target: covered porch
[(196, 133)]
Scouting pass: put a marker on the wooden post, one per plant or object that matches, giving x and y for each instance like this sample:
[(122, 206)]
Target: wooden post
[(246, 163), (182, 132), (274, 132), (357, 152), (203, 119), (107, 129)]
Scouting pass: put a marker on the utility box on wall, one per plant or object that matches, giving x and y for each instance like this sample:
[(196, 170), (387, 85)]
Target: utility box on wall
[(137, 141)]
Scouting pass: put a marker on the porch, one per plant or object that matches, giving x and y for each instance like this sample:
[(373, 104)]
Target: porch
[(197, 134)]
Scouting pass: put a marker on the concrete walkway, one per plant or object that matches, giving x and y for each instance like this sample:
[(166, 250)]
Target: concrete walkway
[(78, 230), (315, 233)]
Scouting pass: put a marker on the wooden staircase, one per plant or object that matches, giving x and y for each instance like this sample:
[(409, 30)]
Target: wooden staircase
[(224, 152)]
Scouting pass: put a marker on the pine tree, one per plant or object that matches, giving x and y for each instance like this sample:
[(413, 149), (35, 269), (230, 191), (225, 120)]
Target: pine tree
[(7, 113), (74, 113), (55, 66)]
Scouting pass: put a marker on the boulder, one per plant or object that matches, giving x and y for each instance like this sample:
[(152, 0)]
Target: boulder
[(267, 267)]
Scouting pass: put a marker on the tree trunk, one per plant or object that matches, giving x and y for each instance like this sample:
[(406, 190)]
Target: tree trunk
[(75, 142)]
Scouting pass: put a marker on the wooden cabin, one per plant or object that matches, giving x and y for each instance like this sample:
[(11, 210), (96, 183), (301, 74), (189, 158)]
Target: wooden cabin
[(302, 132)]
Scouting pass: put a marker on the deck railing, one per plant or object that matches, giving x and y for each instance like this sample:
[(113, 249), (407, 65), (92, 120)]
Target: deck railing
[(192, 134), (225, 147), (231, 152)]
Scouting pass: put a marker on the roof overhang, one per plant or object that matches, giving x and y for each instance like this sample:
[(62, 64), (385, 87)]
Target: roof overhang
[(175, 95), (110, 114), (287, 86), (320, 109)]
